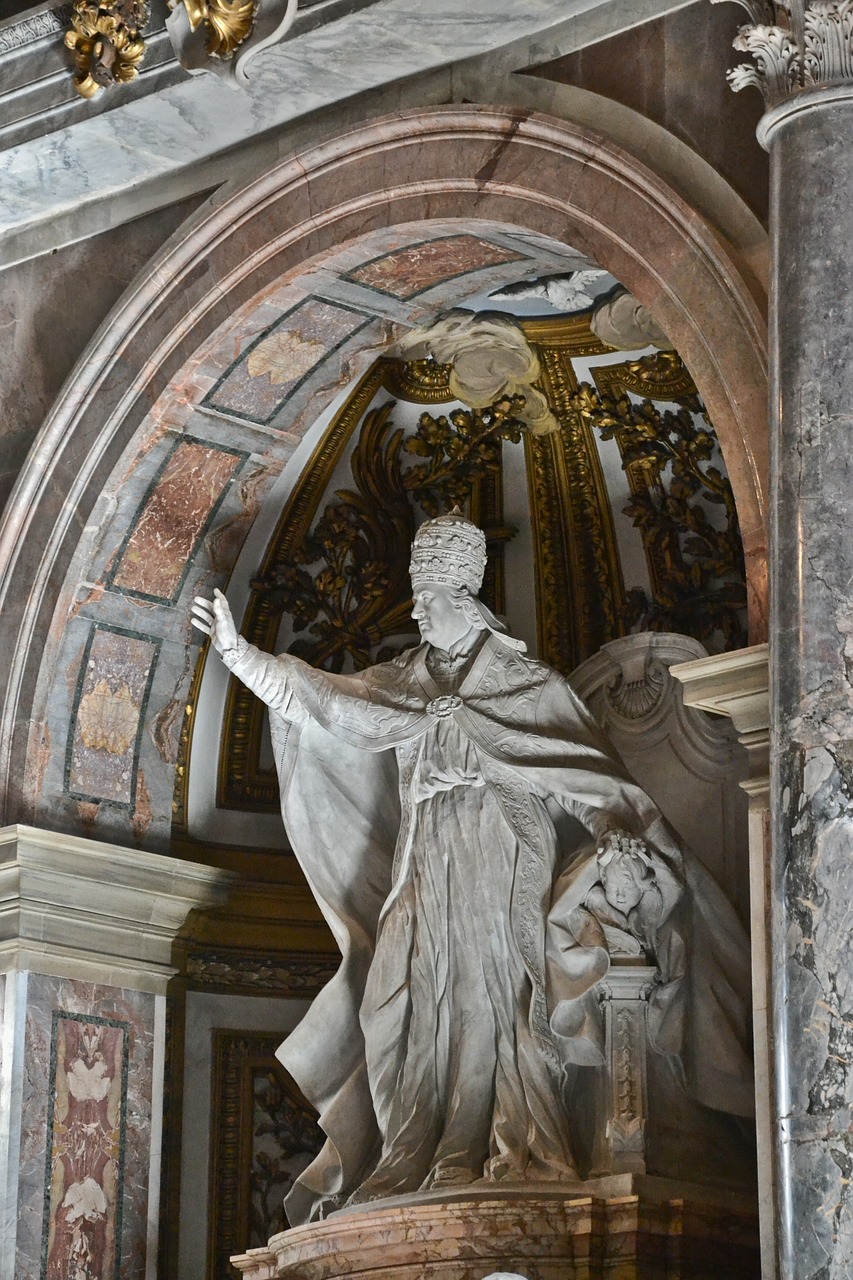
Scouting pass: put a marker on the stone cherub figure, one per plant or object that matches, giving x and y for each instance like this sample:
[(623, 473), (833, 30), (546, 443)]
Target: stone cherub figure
[(471, 839)]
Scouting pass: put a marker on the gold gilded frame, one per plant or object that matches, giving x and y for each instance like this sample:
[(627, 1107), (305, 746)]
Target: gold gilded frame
[(579, 586), (238, 1056)]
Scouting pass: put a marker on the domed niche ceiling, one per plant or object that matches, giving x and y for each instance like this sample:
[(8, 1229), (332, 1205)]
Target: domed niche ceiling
[(290, 462), (557, 415)]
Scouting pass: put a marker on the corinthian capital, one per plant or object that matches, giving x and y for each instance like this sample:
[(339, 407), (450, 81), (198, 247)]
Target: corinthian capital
[(796, 45)]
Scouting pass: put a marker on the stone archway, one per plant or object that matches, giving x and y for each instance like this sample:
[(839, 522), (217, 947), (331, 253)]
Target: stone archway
[(507, 166)]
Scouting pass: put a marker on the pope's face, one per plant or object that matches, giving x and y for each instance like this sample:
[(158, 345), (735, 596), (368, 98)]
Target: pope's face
[(440, 616)]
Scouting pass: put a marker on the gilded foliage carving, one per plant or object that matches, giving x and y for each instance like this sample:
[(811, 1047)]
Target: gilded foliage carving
[(107, 41), (284, 1127), (347, 586), (696, 563), (228, 23)]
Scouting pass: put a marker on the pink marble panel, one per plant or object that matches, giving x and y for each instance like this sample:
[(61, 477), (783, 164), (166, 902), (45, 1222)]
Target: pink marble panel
[(112, 692), (85, 1150), (175, 514), (88, 1090), (271, 368), (408, 272)]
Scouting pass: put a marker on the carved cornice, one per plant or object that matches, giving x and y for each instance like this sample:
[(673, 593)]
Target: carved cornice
[(797, 45), (38, 26)]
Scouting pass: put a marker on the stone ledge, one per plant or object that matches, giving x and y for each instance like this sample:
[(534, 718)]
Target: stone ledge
[(82, 909)]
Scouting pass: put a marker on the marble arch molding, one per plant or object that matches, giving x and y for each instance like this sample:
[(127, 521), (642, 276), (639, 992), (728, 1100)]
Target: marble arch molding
[(488, 172)]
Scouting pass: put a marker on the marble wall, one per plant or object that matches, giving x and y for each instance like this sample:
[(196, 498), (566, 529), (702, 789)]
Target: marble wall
[(50, 308), (408, 272), (657, 69)]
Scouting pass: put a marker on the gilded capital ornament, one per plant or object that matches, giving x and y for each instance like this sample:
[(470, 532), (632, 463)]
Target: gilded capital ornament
[(796, 45)]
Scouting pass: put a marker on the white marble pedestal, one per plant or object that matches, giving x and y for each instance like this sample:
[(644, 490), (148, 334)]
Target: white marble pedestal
[(625, 1227)]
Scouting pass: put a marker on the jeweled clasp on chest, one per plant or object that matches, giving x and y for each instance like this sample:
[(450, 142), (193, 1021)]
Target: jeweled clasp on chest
[(444, 706)]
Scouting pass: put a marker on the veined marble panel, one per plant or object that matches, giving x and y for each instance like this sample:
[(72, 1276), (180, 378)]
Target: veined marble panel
[(85, 1142), (174, 515), (410, 271), (108, 715), (268, 371), (84, 1171)]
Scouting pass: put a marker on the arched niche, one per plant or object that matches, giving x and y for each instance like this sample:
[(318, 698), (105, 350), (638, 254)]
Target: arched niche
[(482, 165)]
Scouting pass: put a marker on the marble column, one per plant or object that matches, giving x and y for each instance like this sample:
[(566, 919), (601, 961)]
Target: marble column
[(803, 51), (86, 938)]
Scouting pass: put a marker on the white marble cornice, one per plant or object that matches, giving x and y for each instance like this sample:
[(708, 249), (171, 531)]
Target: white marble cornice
[(796, 45), (730, 684), (82, 909), (78, 180)]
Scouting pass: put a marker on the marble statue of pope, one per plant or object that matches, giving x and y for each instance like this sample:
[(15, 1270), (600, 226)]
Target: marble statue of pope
[(469, 834)]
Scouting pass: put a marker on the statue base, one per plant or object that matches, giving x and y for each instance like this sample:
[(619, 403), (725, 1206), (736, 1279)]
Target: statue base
[(623, 1227)]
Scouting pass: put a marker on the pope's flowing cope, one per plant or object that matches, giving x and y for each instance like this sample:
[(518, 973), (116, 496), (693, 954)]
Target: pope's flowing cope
[(475, 845)]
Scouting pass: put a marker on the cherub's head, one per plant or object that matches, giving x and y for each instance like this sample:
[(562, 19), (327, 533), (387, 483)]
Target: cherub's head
[(626, 877)]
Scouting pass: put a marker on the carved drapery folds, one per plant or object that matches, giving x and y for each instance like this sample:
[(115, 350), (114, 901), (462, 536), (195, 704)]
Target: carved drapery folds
[(489, 357), (797, 45)]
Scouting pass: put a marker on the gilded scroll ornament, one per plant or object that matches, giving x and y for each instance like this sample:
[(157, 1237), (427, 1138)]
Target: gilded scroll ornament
[(227, 24), (221, 36), (107, 42)]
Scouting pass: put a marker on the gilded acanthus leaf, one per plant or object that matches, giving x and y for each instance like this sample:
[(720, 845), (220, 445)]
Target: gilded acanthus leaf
[(107, 42)]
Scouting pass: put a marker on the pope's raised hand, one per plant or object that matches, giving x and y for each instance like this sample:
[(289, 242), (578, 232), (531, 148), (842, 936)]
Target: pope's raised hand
[(213, 617)]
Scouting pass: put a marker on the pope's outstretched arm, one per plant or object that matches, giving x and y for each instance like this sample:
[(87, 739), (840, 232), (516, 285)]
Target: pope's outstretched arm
[(214, 618), (265, 675)]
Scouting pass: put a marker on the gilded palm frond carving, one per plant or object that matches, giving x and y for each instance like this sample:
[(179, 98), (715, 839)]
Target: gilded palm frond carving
[(696, 564)]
